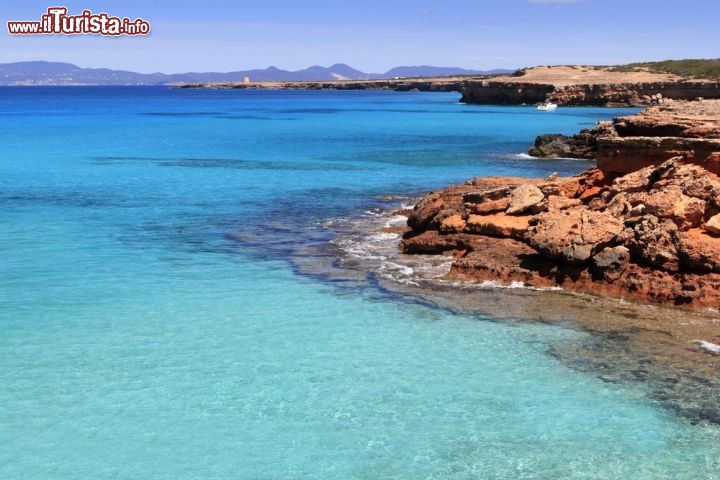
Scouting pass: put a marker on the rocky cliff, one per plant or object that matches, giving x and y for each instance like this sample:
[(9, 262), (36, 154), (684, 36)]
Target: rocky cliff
[(607, 94), (687, 129), (490, 92)]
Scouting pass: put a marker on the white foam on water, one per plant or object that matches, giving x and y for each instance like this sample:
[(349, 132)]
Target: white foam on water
[(525, 156), (373, 213), (385, 236), (433, 268), (489, 284), (515, 285), (406, 281), (357, 249), (396, 221), (396, 267)]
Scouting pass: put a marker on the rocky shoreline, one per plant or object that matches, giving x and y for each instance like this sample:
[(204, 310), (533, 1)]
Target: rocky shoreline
[(660, 349), (650, 235)]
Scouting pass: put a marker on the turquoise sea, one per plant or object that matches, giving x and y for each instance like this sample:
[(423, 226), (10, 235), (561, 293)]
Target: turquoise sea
[(159, 318)]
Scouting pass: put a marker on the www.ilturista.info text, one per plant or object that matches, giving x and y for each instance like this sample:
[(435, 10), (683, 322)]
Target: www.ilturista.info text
[(57, 22)]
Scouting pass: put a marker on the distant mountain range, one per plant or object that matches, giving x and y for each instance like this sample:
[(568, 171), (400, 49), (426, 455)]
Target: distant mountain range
[(56, 73)]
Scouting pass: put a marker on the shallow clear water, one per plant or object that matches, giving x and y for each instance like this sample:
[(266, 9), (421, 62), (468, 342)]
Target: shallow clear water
[(146, 333)]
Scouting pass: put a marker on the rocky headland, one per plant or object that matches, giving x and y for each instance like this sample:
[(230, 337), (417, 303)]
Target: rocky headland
[(644, 227), (585, 85), (627, 144)]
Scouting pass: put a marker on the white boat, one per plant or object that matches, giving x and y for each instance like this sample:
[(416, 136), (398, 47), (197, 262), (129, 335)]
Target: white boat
[(547, 106)]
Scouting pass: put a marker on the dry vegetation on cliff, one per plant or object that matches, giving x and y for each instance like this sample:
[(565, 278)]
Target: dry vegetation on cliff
[(668, 70), (689, 68), (566, 75)]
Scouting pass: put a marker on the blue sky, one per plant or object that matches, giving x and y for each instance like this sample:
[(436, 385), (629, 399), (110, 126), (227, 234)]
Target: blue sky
[(373, 36)]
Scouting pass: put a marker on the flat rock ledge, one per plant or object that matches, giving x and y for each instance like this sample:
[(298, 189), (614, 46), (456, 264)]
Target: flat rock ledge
[(690, 129), (652, 235)]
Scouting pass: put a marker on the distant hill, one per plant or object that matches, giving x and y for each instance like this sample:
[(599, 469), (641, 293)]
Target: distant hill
[(57, 73)]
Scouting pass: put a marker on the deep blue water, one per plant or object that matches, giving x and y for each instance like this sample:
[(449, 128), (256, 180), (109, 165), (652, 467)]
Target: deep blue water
[(139, 338)]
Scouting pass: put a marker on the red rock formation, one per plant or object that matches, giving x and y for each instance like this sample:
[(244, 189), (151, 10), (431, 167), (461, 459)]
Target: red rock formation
[(649, 235), (620, 155)]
